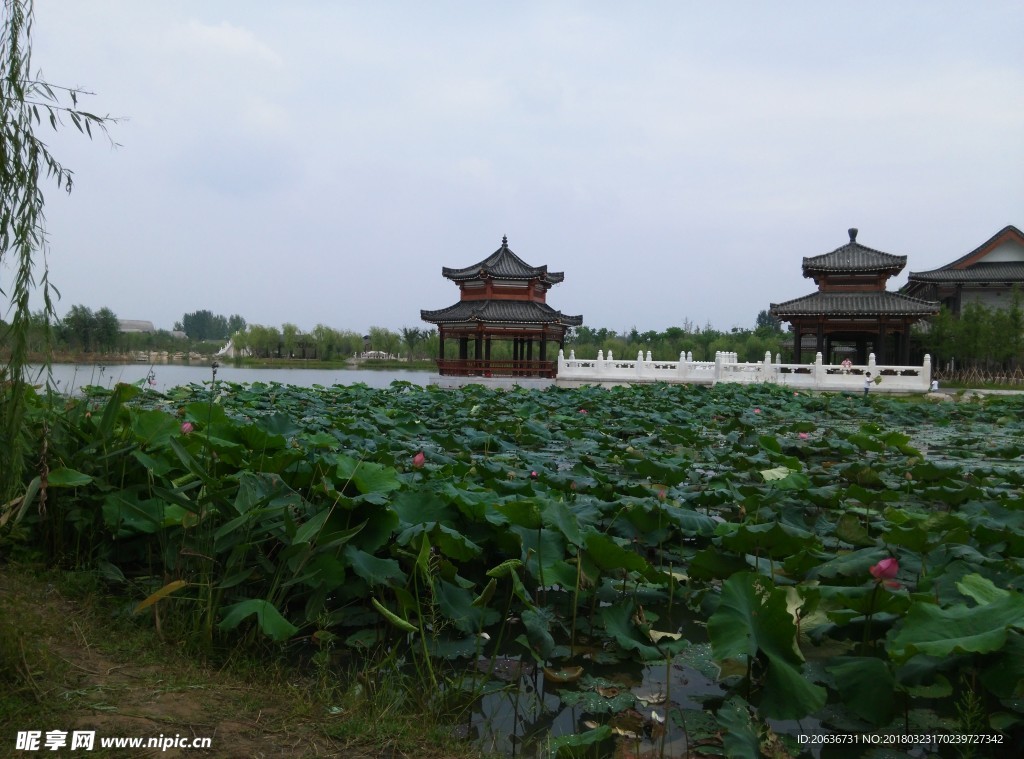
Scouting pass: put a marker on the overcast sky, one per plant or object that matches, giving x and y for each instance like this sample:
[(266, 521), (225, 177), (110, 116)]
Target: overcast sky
[(319, 162)]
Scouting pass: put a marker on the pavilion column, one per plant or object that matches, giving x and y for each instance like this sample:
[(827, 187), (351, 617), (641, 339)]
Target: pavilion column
[(478, 350), (464, 348), (487, 349), (440, 344), (797, 358), (862, 350), (880, 348), (905, 345), (820, 338), (828, 349), (529, 349)]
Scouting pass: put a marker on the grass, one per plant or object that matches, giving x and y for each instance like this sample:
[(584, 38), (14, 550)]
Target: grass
[(73, 658)]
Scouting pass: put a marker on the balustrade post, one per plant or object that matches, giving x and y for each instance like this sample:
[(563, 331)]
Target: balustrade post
[(718, 366), (600, 362)]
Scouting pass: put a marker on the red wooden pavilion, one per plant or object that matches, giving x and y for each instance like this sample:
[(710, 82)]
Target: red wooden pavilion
[(502, 298)]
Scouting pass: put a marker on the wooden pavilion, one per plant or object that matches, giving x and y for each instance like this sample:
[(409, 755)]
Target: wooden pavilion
[(502, 298), (852, 306)]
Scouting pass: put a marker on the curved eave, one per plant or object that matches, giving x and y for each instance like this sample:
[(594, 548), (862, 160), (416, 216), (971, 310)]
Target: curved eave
[(502, 264), (479, 272), (1008, 273), (500, 313), (854, 258), (858, 305)]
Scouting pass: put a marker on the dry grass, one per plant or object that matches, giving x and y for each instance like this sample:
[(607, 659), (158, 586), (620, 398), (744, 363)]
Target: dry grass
[(71, 662)]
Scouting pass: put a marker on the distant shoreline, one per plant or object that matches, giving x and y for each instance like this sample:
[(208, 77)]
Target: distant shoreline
[(117, 359)]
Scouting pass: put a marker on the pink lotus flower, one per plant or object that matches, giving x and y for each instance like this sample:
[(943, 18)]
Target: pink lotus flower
[(884, 570), (583, 411), (533, 475), (804, 436), (757, 411), (186, 428), (419, 460)]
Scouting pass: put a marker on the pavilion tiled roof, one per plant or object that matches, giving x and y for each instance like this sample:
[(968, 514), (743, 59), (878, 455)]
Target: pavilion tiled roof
[(854, 258), (503, 264), (854, 304), (1002, 271), (500, 312)]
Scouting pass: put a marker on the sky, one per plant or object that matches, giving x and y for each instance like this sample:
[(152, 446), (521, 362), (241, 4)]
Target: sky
[(318, 162)]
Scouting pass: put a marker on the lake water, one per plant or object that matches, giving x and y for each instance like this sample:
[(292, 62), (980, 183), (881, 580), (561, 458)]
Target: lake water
[(71, 377)]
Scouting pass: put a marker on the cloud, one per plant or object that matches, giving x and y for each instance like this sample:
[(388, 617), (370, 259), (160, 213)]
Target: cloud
[(224, 41)]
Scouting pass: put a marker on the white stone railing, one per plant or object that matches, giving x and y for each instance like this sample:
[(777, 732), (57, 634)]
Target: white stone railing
[(574, 372)]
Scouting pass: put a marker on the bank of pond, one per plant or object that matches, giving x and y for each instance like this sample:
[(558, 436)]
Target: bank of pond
[(656, 570)]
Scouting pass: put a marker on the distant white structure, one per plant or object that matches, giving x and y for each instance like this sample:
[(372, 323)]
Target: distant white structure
[(135, 325), (230, 351), (608, 372), (379, 356)]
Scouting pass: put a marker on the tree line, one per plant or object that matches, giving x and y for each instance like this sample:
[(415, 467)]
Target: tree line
[(703, 342), (328, 344), (206, 325), (980, 337)]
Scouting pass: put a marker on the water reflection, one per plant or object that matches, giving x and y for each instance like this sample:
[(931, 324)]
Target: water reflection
[(70, 378)]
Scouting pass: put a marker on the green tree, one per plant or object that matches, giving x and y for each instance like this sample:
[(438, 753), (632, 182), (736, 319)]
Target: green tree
[(430, 343), (235, 324), (198, 325), (107, 329), (289, 339), (411, 337), (80, 328), (25, 161), (324, 341), (383, 339), (766, 324)]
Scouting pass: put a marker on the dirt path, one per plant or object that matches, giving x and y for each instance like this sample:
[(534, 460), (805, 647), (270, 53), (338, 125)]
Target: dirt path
[(64, 666)]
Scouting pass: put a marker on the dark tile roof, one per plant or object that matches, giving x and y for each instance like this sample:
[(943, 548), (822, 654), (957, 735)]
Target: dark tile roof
[(1002, 271), (854, 257), (854, 304), (500, 312), (503, 264)]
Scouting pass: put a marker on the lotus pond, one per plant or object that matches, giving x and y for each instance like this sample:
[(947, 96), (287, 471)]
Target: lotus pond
[(649, 571)]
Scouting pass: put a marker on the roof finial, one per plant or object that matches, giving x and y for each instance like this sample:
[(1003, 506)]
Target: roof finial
[(504, 241), (853, 234)]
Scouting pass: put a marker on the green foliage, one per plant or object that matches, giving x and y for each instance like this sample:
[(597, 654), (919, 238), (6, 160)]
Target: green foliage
[(293, 512), (688, 338), (980, 337), (25, 162)]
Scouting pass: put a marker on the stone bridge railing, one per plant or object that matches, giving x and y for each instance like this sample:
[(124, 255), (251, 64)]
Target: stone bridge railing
[(846, 377)]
